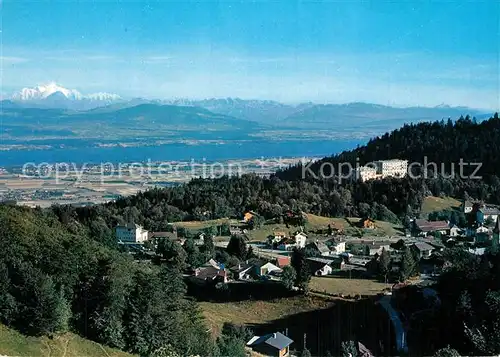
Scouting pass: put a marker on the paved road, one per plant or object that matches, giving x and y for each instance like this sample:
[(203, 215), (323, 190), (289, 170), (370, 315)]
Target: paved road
[(385, 301)]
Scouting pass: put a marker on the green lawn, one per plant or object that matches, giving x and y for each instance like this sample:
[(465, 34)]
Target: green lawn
[(381, 229), (12, 343), (432, 204)]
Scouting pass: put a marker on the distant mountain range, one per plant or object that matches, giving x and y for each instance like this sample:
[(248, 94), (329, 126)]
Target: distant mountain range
[(352, 116)]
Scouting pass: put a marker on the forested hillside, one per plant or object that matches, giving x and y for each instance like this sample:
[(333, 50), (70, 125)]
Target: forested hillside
[(53, 280), (443, 142)]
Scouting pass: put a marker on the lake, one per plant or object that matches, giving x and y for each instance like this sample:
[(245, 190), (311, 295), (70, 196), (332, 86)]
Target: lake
[(80, 151)]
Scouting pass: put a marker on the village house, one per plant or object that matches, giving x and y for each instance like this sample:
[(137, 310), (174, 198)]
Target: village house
[(210, 272), (266, 268), (424, 250), (276, 238), (300, 239), (336, 247), (423, 227), (131, 233), (481, 234), (274, 344), (242, 271), (467, 206), (286, 244), (319, 247), (200, 239), (154, 237), (367, 223), (247, 217), (455, 231), (376, 248), (319, 266), (297, 241)]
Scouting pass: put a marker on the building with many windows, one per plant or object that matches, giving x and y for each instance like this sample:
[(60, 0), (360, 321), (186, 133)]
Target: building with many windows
[(131, 233), (381, 169)]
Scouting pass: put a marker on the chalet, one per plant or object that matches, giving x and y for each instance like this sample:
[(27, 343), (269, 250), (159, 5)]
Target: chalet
[(319, 247), (319, 266), (247, 217), (274, 344), (367, 223), (423, 227), (423, 249)]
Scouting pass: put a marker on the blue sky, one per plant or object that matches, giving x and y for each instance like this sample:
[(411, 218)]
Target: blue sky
[(388, 52)]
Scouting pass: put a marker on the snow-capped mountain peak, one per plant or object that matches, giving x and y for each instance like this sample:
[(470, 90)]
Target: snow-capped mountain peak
[(44, 91)]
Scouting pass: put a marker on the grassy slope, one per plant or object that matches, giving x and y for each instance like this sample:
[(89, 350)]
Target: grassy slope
[(12, 343), (199, 225), (432, 204), (258, 312)]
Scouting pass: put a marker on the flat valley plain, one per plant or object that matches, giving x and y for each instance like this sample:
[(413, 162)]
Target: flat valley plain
[(94, 184)]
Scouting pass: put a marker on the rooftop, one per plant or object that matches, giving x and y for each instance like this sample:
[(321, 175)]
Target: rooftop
[(427, 226), (276, 340), (422, 246)]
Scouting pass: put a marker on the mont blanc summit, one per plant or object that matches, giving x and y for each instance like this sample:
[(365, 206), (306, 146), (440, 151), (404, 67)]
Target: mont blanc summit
[(54, 95)]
